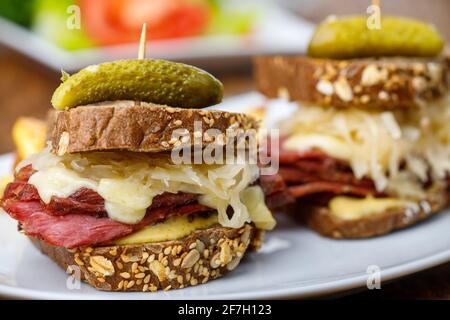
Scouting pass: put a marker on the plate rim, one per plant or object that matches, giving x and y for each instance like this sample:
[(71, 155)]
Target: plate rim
[(308, 291)]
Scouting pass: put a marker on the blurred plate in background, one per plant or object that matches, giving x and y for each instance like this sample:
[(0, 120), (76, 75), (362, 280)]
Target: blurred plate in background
[(274, 30)]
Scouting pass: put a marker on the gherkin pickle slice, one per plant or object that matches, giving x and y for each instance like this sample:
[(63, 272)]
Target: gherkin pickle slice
[(157, 81), (349, 37)]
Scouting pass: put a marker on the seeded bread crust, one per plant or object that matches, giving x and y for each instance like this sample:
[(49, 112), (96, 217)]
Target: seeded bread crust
[(362, 83), (323, 221), (202, 256), (148, 127)]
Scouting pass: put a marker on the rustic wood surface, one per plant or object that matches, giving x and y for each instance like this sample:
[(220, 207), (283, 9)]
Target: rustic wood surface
[(26, 88)]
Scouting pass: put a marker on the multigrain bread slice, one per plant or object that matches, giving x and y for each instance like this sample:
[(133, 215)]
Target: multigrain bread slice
[(202, 256), (387, 83), (126, 126), (323, 221)]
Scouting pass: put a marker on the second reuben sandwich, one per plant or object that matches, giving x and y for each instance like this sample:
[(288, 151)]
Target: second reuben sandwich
[(368, 150), (107, 197)]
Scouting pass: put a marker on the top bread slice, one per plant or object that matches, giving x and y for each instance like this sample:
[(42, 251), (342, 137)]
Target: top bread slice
[(144, 127), (387, 83)]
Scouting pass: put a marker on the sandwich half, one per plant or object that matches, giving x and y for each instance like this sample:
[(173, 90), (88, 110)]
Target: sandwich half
[(368, 149), (107, 197)]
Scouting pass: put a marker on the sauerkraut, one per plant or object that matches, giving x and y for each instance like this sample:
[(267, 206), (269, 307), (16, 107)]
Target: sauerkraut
[(129, 181), (399, 150)]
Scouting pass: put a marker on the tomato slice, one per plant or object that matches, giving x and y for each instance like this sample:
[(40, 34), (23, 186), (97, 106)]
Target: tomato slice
[(119, 21)]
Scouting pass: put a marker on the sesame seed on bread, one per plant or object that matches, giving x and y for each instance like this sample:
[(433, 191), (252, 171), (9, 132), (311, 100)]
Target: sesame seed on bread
[(201, 256), (386, 83), (126, 126)]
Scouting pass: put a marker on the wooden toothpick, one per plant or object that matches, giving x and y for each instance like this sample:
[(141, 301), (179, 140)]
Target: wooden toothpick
[(142, 47), (143, 42)]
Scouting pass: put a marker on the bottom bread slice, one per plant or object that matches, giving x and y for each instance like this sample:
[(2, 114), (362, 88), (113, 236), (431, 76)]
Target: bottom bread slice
[(322, 220), (202, 256)]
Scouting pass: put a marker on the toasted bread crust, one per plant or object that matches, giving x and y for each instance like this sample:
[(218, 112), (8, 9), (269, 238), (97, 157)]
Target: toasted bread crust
[(323, 221), (138, 128), (361, 83), (202, 256)]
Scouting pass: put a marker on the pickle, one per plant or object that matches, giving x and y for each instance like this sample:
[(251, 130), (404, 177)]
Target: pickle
[(157, 81), (349, 37)]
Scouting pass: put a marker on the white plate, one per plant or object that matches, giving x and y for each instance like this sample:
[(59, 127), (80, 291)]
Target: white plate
[(293, 262), (278, 31)]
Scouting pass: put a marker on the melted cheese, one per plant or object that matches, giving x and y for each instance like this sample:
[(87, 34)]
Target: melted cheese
[(354, 208), (171, 229), (253, 198), (59, 182), (129, 182), (331, 145), (179, 227)]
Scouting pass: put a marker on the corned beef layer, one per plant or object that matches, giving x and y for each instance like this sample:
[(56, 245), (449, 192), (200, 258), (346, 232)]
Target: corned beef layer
[(81, 219)]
